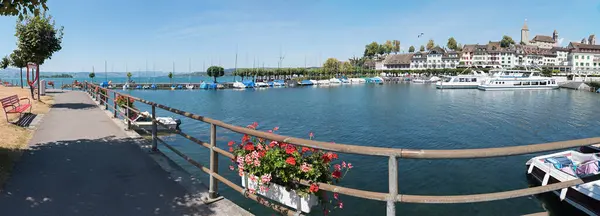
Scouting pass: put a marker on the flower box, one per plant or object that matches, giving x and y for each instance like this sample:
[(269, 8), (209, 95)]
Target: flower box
[(279, 194)]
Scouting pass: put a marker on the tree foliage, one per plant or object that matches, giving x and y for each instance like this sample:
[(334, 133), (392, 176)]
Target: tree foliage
[(388, 47), (430, 44), (331, 65), (215, 71), (92, 75), (371, 49), (459, 47), (506, 41), (422, 48), (129, 75), (452, 44), (411, 49), (5, 62), (22, 7), (347, 67)]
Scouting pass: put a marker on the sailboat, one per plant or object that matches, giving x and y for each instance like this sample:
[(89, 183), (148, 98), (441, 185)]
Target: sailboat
[(237, 84), (189, 85)]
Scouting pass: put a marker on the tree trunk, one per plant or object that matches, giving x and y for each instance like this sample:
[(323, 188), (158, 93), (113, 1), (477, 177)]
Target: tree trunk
[(21, 77), (215, 79), (37, 73)]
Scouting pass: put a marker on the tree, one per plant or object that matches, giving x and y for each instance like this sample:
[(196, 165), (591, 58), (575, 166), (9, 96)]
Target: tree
[(411, 49), (92, 75), (129, 75), (215, 71), (547, 72), (170, 75), (346, 67), (506, 41), (388, 47), (38, 39), (396, 48), (430, 44), (331, 65), (422, 48), (5, 62), (459, 47), (18, 60), (22, 7), (371, 49), (452, 44), (381, 49)]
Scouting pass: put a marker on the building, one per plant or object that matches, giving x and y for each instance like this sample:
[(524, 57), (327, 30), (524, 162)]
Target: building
[(541, 41), (584, 58), (436, 58), (396, 62)]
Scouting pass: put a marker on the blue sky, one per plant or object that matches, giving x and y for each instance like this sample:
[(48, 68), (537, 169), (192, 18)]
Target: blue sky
[(128, 33)]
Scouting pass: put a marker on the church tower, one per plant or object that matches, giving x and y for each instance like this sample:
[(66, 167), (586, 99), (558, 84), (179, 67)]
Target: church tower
[(555, 38), (525, 33), (592, 39)]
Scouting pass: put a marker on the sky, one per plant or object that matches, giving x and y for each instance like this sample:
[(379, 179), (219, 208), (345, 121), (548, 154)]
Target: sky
[(134, 35)]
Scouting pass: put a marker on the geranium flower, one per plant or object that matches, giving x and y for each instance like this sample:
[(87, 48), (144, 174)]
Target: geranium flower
[(252, 191), (335, 195), (260, 147), (261, 154), (349, 166), (254, 154), (240, 159), (305, 167), (343, 164), (245, 138), (337, 167), (266, 178), (252, 178), (311, 135), (270, 131), (256, 163), (305, 149), (264, 188), (230, 149), (314, 188), (341, 205), (273, 144), (248, 159), (290, 149), (291, 161), (276, 128), (241, 173), (249, 146), (336, 174), (231, 143)]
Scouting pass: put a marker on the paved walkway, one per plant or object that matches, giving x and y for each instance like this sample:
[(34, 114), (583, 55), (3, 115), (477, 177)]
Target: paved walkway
[(81, 163)]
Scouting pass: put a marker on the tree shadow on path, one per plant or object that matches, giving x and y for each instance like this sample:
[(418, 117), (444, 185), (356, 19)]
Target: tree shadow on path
[(104, 176), (73, 106)]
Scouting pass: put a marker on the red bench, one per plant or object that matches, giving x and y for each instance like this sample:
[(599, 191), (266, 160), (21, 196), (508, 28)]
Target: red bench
[(12, 104)]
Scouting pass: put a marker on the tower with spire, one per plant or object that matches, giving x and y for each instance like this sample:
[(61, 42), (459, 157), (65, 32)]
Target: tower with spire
[(525, 33)]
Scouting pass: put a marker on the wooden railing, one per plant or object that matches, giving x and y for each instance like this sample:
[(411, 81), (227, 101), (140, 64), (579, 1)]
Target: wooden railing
[(393, 154)]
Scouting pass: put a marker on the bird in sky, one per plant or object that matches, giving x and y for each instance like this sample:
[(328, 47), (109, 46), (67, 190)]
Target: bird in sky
[(420, 34)]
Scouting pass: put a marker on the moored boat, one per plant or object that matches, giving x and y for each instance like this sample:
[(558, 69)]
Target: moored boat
[(335, 81), (566, 166), (518, 80), (144, 121), (239, 85)]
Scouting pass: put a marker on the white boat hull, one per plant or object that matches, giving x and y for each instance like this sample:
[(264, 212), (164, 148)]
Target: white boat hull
[(504, 88)]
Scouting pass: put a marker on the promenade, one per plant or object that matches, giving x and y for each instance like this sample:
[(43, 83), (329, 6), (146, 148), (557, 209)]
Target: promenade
[(81, 163)]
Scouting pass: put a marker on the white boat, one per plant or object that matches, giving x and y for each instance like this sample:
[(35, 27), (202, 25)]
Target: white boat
[(323, 82), (146, 87), (335, 81), (420, 81), (261, 84), (518, 79), (345, 81), (278, 84), (144, 121), (189, 86), (566, 166), (126, 86), (239, 85), (460, 82), (434, 79)]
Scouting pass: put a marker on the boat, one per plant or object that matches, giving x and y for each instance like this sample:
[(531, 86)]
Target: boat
[(145, 87), (420, 80), (376, 80), (517, 80), (306, 83), (144, 121), (278, 83), (459, 82), (357, 80), (345, 81), (239, 85), (138, 87), (566, 166), (261, 85), (248, 83), (126, 86), (335, 81), (153, 86), (189, 86), (323, 82), (172, 87)]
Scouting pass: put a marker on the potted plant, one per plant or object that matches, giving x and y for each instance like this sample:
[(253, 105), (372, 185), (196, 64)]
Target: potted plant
[(123, 102), (274, 170)]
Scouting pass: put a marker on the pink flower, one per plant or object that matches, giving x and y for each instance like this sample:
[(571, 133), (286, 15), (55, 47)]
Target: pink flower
[(270, 131), (231, 167), (266, 178), (240, 159), (341, 205), (305, 167), (337, 167), (349, 166), (256, 163), (276, 128), (252, 178), (311, 135), (335, 195), (264, 188), (273, 144), (254, 155), (336, 174), (260, 147), (241, 173), (343, 164), (252, 191), (248, 158)]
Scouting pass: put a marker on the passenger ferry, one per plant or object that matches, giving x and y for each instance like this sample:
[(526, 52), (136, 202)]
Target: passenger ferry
[(517, 79), (462, 81)]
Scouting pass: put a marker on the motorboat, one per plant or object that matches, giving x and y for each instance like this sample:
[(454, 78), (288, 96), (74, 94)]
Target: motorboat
[(335, 81), (459, 82), (146, 87), (278, 83), (189, 86), (126, 86), (323, 82), (376, 80), (314, 82), (420, 80), (357, 80), (518, 80), (172, 87), (153, 86), (179, 87), (434, 79), (144, 121), (261, 85), (239, 85), (566, 166), (306, 83), (345, 81)]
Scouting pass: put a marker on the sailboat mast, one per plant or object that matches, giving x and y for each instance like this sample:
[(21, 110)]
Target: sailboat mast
[(235, 67)]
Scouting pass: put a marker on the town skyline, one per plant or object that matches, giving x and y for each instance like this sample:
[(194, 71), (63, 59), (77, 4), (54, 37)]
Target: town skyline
[(127, 39)]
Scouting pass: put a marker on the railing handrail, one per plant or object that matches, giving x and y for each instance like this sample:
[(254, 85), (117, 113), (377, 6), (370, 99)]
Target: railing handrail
[(393, 154)]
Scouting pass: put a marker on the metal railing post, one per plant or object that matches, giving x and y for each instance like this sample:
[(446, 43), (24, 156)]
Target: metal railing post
[(154, 129), (115, 104), (393, 186), (127, 115), (214, 163), (105, 99)]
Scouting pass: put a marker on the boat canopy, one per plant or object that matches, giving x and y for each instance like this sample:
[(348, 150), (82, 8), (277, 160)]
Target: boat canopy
[(248, 83)]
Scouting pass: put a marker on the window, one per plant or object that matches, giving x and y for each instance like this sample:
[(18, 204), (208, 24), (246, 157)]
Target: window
[(587, 64), (534, 83), (525, 83), (594, 64), (588, 57), (473, 79), (543, 83), (576, 57), (576, 64), (517, 83)]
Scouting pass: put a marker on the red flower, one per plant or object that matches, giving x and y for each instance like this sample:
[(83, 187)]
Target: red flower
[(314, 188), (329, 156), (283, 145), (231, 143), (273, 144), (290, 149), (261, 154), (245, 138), (276, 128), (291, 161), (249, 146), (336, 174), (230, 149), (305, 149)]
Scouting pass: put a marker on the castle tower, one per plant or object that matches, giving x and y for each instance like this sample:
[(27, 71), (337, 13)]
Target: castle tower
[(592, 40), (584, 41), (555, 38), (525, 33)]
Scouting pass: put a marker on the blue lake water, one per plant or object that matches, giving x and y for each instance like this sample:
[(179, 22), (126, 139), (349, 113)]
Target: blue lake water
[(398, 116)]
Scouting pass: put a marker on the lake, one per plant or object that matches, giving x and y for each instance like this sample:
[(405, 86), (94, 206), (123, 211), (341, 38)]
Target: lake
[(398, 116)]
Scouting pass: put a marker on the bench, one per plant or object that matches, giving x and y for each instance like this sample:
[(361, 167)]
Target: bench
[(12, 105)]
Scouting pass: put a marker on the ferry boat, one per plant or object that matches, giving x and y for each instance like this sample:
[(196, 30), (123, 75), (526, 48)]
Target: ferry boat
[(462, 81), (515, 79), (566, 166)]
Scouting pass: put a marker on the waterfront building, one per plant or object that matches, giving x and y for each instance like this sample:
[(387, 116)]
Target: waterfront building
[(584, 58), (541, 41), (395, 62), (436, 58)]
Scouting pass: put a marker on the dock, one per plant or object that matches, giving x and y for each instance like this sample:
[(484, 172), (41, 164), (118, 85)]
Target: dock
[(81, 163)]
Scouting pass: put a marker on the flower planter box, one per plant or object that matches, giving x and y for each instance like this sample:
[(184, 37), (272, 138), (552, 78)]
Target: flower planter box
[(279, 194)]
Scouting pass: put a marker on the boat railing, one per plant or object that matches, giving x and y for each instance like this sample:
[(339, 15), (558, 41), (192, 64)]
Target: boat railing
[(392, 155)]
